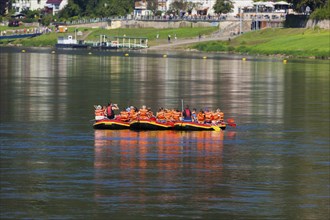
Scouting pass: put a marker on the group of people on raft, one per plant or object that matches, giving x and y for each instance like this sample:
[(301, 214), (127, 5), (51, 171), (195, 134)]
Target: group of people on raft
[(163, 115)]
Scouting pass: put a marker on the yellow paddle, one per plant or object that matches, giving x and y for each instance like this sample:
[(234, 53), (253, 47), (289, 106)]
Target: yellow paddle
[(216, 128)]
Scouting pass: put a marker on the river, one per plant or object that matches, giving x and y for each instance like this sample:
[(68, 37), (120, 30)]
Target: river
[(54, 165)]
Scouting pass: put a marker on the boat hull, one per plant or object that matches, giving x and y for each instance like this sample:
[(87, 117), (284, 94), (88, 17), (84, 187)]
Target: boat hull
[(146, 125), (193, 126), (111, 124)]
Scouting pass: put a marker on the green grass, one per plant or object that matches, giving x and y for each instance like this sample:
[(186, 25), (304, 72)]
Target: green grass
[(150, 33), (291, 42), (284, 41)]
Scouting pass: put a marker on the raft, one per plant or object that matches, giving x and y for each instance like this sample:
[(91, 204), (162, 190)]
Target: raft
[(194, 126), (112, 124), (148, 124)]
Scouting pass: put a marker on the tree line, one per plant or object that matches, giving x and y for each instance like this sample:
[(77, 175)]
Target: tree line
[(107, 8)]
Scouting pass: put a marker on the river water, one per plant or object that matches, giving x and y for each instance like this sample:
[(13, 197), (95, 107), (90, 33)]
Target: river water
[(54, 165)]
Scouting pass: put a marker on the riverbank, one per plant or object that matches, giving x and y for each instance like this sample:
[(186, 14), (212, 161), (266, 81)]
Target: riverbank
[(290, 42), (284, 42)]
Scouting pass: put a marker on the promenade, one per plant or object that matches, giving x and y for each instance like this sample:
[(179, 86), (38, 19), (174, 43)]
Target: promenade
[(182, 42)]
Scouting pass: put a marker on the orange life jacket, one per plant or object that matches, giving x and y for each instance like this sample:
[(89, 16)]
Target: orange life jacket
[(132, 114), (160, 115), (176, 116), (99, 114), (200, 117), (143, 113), (208, 116), (216, 116), (168, 115), (222, 115), (124, 116)]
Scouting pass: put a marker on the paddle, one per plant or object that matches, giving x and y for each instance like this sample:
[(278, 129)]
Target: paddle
[(231, 122), (216, 128)]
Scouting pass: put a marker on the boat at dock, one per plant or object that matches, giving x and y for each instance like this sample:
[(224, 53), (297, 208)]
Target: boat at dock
[(105, 43)]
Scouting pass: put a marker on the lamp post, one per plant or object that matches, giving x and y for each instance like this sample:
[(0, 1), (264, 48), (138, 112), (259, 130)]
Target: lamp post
[(240, 20), (257, 18)]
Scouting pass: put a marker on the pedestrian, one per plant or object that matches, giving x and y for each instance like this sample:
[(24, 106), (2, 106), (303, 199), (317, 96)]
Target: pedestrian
[(169, 38)]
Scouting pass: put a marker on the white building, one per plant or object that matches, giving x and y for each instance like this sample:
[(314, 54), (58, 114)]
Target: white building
[(21, 5), (53, 6), (208, 5)]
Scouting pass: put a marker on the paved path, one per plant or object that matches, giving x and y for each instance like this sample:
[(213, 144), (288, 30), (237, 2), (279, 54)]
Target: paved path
[(177, 43)]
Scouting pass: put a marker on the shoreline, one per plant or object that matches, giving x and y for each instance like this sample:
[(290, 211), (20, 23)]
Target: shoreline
[(163, 53), (282, 43)]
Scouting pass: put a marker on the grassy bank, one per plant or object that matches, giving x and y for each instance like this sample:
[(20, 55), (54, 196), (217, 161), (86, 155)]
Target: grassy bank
[(289, 42), (93, 35)]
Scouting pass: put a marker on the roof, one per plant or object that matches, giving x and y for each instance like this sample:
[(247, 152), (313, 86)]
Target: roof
[(54, 2)]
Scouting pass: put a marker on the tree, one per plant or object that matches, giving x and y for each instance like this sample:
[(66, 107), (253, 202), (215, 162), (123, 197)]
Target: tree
[(70, 10), (223, 6), (152, 5), (4, 5), (97, 8), (300, 5), (183, 6)]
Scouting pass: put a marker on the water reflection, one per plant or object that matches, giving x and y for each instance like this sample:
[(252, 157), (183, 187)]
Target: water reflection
[(50, 87), (165, 160)]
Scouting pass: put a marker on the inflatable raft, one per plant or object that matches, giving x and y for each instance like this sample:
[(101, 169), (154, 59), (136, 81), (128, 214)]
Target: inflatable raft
[(112, 124), (194, 126), (148, 124)]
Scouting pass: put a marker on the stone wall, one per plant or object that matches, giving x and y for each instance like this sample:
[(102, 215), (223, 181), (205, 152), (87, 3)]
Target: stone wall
[(159, 24), (324, 24)]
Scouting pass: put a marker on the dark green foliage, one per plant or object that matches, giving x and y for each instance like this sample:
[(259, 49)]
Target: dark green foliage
[(223, 6), (97, 8), (321, 13), (300, 5)]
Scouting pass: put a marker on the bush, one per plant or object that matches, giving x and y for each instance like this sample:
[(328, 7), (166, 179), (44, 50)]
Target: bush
[(321, 14)]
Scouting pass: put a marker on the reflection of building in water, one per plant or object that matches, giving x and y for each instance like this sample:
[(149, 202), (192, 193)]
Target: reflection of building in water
[(155, 159), (40, 79), (256, 87)]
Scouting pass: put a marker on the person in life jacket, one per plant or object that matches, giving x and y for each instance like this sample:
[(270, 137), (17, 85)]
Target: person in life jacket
[(99, 112), (201, 117), (124, 115), (186, 114), (161, 115), (133, 113), (218, 116), (208, 116), (143, 112), (176, 115), (110, 110), (168, 115), (150, 114)]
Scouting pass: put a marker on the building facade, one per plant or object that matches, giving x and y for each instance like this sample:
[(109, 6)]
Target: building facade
[(52, 6)]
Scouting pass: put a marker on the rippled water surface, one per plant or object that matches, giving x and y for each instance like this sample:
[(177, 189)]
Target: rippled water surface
[(54, 165)]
